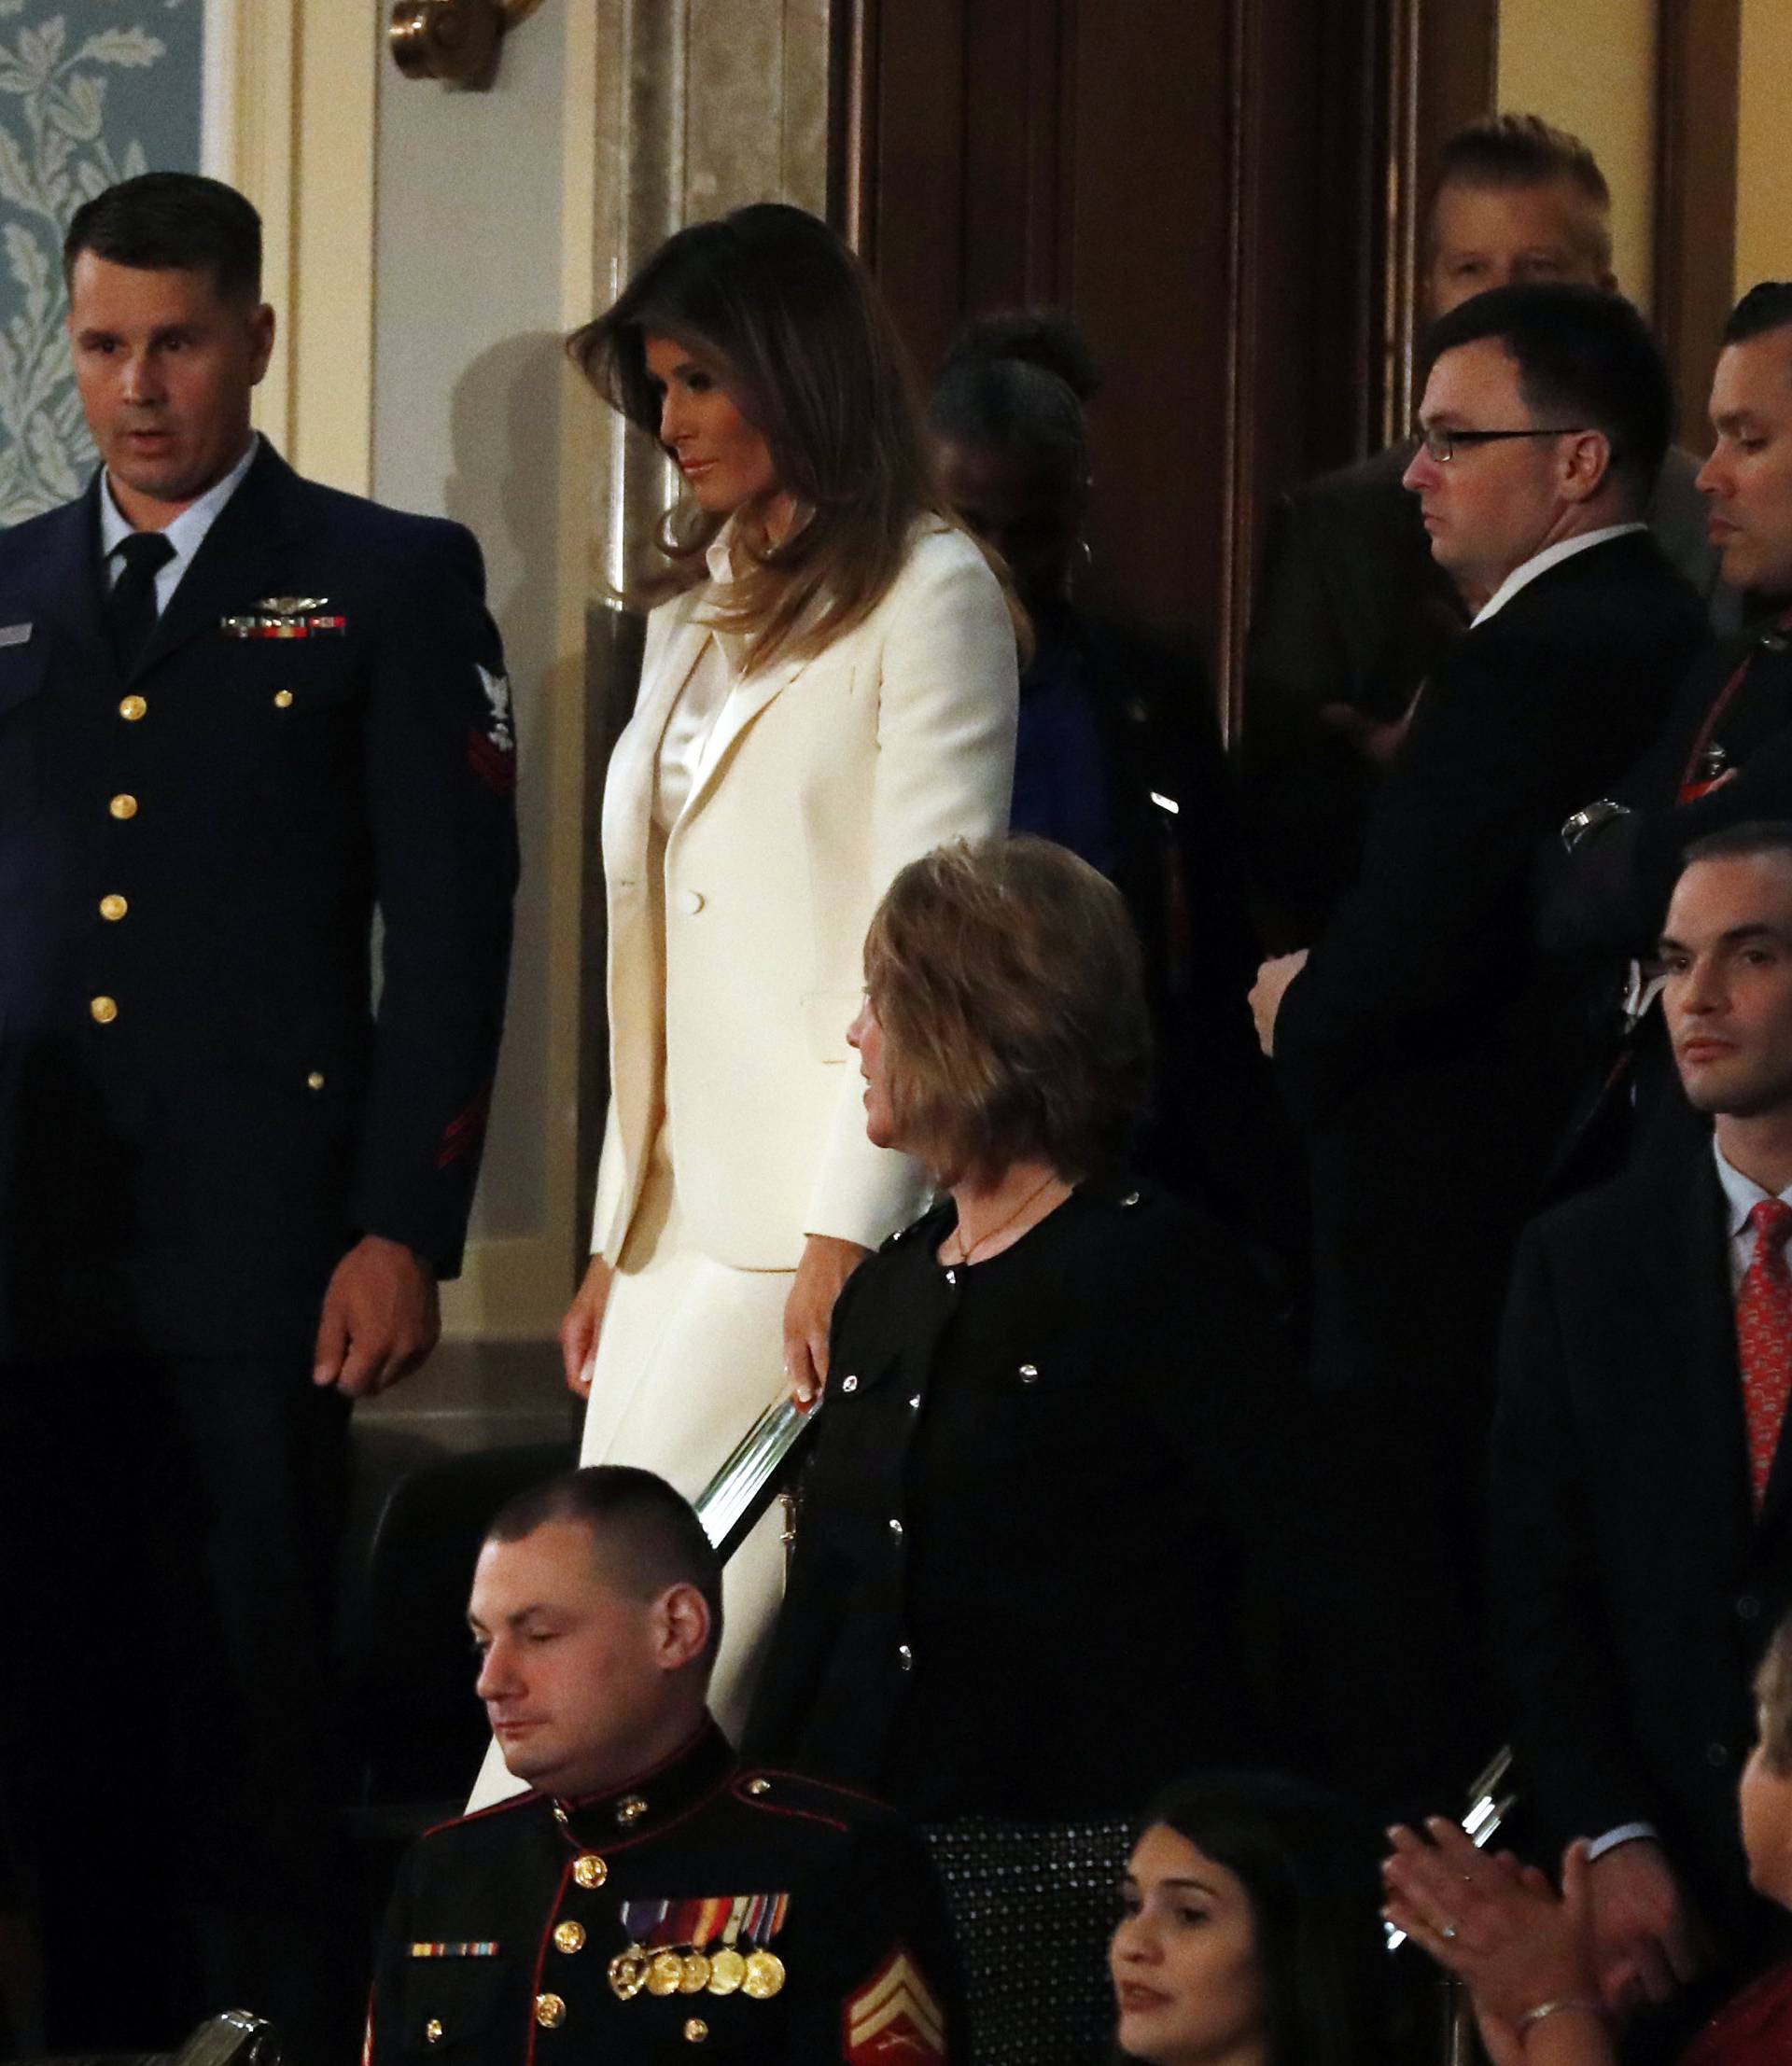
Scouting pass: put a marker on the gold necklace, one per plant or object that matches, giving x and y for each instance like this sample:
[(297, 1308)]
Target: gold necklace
[(983, 1240)]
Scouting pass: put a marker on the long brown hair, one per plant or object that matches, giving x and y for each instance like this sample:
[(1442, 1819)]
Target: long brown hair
[(797, 333)]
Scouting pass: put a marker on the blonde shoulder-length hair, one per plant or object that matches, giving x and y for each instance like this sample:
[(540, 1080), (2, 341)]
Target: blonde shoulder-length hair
[(1009, 985), (798, 335)]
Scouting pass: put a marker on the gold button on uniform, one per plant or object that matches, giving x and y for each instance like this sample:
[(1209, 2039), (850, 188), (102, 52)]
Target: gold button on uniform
[(113, 907), (590, 1870), (132, 708), (759, 1786), (283, 698), (316, 1080), (631, 1810), (569, 1937), (104, 1010), (695, 2031), (549, 2011), (123, 806), (432, 2030)]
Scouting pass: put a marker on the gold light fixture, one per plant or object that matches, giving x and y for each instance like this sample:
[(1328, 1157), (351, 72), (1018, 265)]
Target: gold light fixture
[(456, 40)]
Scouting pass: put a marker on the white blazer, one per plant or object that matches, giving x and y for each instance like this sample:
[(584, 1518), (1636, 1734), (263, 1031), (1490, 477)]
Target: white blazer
[(821, 779)]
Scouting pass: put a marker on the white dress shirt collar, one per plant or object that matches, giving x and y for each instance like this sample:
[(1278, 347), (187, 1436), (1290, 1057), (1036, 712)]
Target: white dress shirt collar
[(1540, 562), (186, 534)]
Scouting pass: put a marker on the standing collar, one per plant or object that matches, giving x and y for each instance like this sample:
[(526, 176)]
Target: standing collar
[(186, 533), (1540, 562), (648, 1802)]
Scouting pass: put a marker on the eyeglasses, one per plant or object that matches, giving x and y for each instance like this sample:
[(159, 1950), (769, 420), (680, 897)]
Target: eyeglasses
[(1442, 445)]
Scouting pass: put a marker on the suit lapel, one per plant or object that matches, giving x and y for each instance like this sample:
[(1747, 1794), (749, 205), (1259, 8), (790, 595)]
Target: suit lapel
[(74, 592), (744, 703), (630, 783), (1703, 1326)]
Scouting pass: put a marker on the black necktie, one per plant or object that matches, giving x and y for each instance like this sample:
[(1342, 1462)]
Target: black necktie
[(130, 605)]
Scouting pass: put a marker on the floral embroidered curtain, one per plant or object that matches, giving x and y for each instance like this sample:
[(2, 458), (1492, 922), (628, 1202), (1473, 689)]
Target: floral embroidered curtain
[(91, 92)]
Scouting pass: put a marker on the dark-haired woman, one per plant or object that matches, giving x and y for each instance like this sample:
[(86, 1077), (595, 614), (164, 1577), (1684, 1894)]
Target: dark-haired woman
[(1251, 1934), (828, 690), (1119, 758), (1015, 1605)]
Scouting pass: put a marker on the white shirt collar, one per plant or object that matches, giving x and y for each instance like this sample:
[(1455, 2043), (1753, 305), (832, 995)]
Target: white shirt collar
[(1540, 562), (186, 534), (1742, 1194)]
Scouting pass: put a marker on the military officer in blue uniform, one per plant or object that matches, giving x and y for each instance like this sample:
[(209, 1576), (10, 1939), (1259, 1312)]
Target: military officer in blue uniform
[(648, 1899), (240, 713)]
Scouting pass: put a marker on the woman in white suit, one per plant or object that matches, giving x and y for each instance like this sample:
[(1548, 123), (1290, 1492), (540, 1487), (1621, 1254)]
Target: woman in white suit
[(828, 690)]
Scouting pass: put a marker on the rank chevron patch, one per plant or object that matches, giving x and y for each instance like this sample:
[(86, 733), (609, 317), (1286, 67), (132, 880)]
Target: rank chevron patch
[(894, 2016)]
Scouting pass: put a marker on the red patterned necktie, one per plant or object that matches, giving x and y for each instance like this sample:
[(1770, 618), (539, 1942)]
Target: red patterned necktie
[(1764, 1338)]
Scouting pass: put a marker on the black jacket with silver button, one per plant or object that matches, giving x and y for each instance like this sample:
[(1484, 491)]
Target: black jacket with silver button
[(499, 1943), (1038, 1486), (199, 1106)]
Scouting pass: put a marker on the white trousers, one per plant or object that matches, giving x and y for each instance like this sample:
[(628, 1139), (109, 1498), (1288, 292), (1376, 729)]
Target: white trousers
[(690, 1352)]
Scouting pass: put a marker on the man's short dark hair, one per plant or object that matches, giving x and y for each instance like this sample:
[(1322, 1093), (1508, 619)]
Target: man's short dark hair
[(1504, 151), (1756, 840), (1766, 306), (170, 221), (645, 1536), (1587, 361)]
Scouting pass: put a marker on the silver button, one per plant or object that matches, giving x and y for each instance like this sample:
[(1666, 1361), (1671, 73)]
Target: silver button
[(915, 1403), (1029, 1373), (848, 1384), (905, 1656), (1131, 1199), (951, 1277), (1747, 1607), (1716, 1753), (895, 1526), (690, 902)]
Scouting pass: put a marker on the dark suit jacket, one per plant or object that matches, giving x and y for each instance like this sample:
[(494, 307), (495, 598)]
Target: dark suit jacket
[(186, 1175), (1610, 895), (1352, 608), (1429, 1057), (1632, 1588)]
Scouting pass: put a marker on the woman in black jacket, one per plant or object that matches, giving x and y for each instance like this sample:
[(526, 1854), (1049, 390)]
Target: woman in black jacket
[(1017, 1603)]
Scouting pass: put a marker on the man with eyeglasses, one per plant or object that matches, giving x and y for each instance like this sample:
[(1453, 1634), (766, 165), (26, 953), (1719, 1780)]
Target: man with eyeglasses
[(1351, 613), (1428, 1055)]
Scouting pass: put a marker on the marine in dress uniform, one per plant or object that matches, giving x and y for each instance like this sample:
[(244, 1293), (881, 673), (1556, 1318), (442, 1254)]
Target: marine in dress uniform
[(202, 1111), (700, 1910)]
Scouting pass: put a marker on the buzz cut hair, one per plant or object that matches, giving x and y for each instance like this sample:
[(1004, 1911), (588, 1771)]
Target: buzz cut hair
[(1759, 839), (1767, 306), (646, 1538), (173, 221), (1503, 151)]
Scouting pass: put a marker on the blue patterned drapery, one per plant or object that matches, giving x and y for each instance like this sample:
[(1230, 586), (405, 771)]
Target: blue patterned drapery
[(91, 91)]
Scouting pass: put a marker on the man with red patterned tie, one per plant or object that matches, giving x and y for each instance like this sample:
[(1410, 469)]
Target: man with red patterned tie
[(1642, 1518)]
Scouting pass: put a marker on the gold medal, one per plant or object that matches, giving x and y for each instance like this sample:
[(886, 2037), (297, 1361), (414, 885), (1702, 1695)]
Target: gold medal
[(764, 1976), (666, 1974), (727, 1970), (695, 1976), (628, 1973)]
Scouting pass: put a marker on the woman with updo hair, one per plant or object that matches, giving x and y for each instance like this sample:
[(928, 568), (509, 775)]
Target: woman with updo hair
[(1118, 757), (828, 690), (1015, 1606)]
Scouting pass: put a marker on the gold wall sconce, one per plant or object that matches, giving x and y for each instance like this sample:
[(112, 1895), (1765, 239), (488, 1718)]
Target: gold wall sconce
[(456, 40)]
